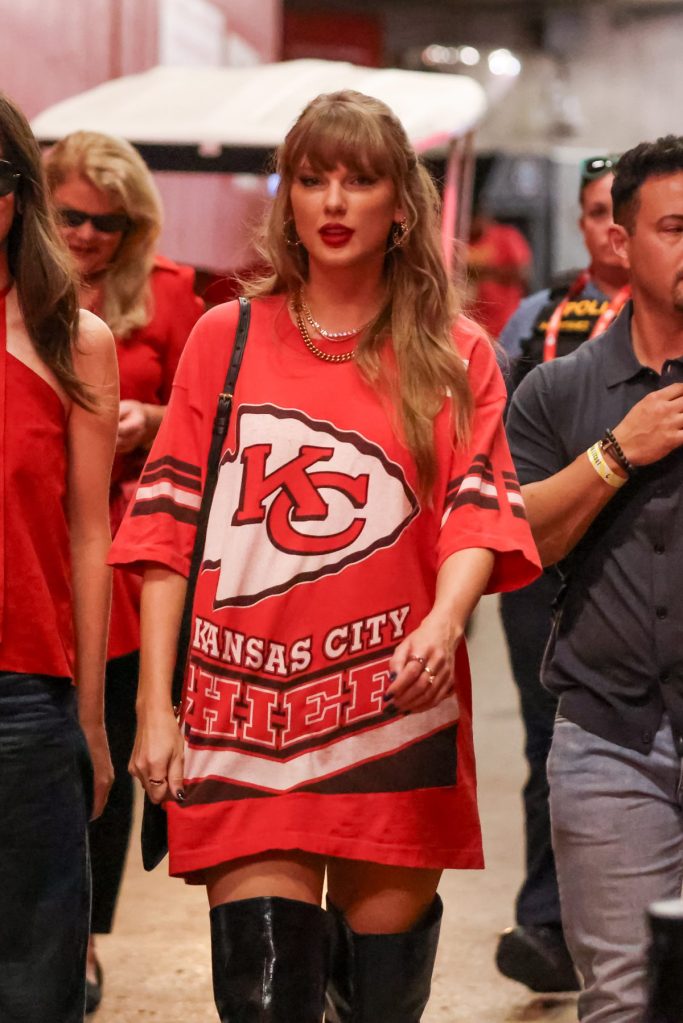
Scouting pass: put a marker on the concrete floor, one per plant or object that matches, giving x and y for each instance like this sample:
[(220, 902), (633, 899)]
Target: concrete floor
[(156, 962)]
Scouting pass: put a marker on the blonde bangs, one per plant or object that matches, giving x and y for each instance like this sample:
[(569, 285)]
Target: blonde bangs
[(336, 135)]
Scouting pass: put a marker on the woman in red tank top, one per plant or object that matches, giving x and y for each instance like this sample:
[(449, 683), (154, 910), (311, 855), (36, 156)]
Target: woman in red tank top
[(110, 217), (58, 415)]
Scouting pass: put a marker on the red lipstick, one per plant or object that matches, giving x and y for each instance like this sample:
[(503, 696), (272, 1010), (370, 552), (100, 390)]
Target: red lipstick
[(336, 235)]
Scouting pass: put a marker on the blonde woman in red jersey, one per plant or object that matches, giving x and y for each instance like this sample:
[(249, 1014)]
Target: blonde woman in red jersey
[(109, 216), (365, 500), (58, 414)]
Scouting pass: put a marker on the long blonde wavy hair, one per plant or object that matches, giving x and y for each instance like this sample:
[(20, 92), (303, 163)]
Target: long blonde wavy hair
[(113, 166), (421, 305)]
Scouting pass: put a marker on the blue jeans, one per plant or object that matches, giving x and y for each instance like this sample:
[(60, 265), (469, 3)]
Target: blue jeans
[(45, 797), (618, 837)]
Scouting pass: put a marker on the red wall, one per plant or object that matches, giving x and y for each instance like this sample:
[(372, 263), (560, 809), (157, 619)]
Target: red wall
[(52, 49), (357, 38)]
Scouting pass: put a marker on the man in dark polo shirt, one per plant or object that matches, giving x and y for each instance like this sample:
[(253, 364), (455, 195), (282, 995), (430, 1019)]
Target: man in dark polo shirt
[(609, 508), (551, 323)]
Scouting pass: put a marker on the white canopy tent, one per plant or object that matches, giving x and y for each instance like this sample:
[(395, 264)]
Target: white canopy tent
[(229, 120)]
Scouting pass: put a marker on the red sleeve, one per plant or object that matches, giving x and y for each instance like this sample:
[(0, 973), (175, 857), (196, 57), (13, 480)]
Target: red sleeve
[(160, 523), (483, 506), (177, 306)]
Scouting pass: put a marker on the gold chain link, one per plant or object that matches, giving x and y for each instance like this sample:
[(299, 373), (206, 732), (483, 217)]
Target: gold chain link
[(318, 352)]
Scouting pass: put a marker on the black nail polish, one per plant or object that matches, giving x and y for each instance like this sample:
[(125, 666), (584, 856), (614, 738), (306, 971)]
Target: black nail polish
[(387, 697), (180, 795), (393, 675)]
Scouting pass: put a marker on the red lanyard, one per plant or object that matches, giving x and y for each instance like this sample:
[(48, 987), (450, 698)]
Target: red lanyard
[(608, 316)]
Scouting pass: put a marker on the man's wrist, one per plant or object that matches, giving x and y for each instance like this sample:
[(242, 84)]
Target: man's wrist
[(606, 469), (613, 450)]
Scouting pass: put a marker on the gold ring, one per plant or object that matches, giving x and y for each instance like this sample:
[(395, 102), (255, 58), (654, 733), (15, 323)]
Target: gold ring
[(430, 674), (156, 781), (420, 660)]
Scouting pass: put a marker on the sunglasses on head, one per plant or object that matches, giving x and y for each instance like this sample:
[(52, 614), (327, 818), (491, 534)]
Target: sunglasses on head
[(9, 178), (106, 223), (595, 166)]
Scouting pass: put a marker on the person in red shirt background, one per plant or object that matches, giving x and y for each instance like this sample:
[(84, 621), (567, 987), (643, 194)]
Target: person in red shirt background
[(110, 217), (498, 263)]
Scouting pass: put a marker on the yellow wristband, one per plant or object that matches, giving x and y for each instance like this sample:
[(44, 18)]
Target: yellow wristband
[(599, 463)]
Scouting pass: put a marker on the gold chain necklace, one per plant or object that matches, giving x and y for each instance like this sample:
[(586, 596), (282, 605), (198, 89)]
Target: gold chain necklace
[(329, 335), (318, 352)]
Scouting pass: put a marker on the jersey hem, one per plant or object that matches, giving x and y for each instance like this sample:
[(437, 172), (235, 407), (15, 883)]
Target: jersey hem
[(136, 559), (189, 866), (519, 571)]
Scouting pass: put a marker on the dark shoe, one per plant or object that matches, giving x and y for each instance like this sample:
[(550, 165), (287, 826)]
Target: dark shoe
[(270, 961), (537, 957), (382, 978), (93, 991)]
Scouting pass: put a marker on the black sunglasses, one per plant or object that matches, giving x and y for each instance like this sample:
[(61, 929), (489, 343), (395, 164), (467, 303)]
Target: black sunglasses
[(107, 223), (9, 178), (595, 166)]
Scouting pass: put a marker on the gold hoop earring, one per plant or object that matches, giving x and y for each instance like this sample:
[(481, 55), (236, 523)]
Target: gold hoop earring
[(399, 233)]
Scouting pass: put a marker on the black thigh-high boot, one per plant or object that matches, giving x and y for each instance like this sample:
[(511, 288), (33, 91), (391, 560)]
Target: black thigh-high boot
[(270, 960), (382, 978)]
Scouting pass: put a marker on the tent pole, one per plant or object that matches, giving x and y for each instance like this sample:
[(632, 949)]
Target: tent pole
[(457, 199)]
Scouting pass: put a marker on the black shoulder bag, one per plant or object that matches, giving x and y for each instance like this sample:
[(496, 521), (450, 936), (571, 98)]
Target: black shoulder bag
[(154, 835)]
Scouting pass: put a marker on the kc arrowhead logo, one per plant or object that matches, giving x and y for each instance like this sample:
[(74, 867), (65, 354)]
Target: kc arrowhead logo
[(297, 500)]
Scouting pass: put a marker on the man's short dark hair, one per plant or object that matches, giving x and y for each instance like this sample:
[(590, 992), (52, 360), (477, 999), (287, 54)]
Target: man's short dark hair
[(648, 160)]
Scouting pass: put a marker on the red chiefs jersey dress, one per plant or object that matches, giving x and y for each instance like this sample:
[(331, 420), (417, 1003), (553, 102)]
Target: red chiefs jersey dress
[(319, 559)]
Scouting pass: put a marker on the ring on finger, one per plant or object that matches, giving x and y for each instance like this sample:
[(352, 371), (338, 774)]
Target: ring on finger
[(157, 781), (431, 675), (420, 660)]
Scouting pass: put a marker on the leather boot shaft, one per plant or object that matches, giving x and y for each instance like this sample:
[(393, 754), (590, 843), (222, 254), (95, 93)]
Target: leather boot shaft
[(270, 960), (382, 977)]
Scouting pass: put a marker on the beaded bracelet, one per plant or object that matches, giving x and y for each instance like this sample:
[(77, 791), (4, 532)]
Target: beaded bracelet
[(612, 445), (602, 468)]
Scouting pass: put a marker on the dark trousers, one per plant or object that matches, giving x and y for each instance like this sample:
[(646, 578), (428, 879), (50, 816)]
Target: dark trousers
[(526, 616), (45, 801), (110, 833)]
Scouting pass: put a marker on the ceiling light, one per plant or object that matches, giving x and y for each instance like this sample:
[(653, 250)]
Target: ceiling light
[(469, 55), (502, 62)]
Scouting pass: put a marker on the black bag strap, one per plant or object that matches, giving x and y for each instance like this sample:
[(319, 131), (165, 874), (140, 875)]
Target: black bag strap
[(218, 434)]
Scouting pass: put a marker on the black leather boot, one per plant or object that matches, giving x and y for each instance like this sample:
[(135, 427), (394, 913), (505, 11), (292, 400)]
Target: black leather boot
[(382, 978), (270, 960)]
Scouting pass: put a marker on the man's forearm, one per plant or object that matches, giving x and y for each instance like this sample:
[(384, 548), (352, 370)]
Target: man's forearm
[(561, 508)]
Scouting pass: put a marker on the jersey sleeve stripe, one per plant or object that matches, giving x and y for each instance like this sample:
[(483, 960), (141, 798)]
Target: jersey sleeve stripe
[(174, 477), (174, 463), (165, 505), (167, 489), (480, 468)]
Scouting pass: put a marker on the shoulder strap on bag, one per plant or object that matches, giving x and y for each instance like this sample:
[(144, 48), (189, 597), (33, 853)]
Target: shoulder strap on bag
[(218, 434)]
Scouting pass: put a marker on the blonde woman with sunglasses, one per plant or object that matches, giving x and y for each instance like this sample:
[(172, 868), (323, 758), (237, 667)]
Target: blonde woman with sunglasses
[(109, 215)]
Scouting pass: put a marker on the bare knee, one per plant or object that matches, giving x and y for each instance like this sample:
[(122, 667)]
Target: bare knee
[(380, 899), (287, 874)]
